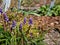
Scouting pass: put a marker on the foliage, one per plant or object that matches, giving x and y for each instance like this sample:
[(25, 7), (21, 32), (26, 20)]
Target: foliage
[(14, 37), (44, 11), (21, 34)]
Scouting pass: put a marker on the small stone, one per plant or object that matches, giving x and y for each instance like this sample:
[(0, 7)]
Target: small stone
[(56, 22), (52, 24)]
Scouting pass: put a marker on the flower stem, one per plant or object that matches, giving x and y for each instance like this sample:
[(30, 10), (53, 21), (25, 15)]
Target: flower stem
[(4, 23), (27, 32), (22, 41)]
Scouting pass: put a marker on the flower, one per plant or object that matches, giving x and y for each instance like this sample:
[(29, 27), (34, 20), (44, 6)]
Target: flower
[(20, 27), (31, 34), (24, 20), (1, 10), (30, 21), (13, 24), (5, 17)]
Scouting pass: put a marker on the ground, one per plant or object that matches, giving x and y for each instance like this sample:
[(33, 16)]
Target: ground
[(52, 38)]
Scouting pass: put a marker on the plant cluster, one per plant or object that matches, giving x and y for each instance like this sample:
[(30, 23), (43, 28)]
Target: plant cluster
[(44, 10), (19, 33)]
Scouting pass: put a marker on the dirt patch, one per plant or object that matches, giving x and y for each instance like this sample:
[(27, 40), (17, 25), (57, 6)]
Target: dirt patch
[(52, 38)]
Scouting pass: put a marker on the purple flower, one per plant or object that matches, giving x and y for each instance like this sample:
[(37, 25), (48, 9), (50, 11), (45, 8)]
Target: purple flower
[(30, 21), (20, 27), (1, 10), (5, 17), (24, 20), (31, 35), (13, 24)]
